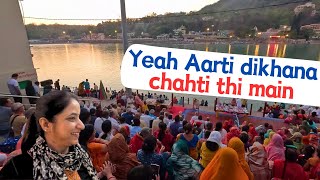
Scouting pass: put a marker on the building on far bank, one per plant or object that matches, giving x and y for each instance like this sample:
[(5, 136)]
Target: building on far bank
[(163, 36), (130, 35), (269, 33), (314, 27), (300, 8), (94, 36)]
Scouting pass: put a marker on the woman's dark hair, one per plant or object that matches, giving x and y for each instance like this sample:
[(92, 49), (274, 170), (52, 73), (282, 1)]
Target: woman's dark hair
[(218, 126), (3, 101), (187, 128), (177, 118), (287, 142), (84, 115), (30, 135), (309, 151), (244, 137), (209, 126), (170, 116), (122, 120), (161, 117), (141, 172), (149, 144), (162, 130), (184, 123), (261, 134), (291, 154), (136, 122), (200, 117), (207, 134), (51, 104), (92, 111), (106, 128), (86, 134), (245, 128), (212, 146)]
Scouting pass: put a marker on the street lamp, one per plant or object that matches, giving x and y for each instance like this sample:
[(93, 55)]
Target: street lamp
[(212, 27), (63, 32), (90, 35), (208, 29)]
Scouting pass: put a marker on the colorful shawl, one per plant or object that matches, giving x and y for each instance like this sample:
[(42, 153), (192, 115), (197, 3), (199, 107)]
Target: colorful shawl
[(49, 164), (180, 165)]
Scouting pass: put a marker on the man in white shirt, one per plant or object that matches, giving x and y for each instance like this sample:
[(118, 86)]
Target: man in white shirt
[(114, 122), (13, 87), (146, 118), (317, 110), (194, 118), (37, 88)]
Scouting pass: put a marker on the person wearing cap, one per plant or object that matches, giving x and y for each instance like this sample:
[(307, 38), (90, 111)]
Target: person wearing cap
[(17, 120), (210, 148), (137, 140)]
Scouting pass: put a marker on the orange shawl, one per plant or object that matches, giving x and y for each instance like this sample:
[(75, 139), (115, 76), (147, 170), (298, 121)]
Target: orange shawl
[(225, 165), (236, 144), (120, 156)]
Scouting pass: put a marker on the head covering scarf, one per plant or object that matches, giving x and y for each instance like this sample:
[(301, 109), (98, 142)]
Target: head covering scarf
[(297, 140), (252, 133), (225, 165), (266, 135), (48, 164), (314, 140), (305, 140), (234, 132), (205, 153), (257, 160), (236, 144), (119, 155), (276, 149), (267, 140), (180, 165)]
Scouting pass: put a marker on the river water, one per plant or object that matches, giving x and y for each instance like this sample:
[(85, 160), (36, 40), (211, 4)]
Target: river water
[(73, 63)]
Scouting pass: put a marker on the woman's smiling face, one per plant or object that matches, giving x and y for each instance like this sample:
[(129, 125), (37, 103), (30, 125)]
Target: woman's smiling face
[(65, 129)]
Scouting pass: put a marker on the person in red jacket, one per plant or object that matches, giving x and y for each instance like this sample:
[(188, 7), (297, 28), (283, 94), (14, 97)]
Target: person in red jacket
[(164, 136), (289, 168), (137, 140)]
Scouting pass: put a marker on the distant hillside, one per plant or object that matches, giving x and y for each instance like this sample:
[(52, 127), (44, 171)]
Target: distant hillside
[(220, 16), (263, 18)]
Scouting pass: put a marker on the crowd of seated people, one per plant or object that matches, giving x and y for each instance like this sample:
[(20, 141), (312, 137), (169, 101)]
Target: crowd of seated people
[(62, 139)]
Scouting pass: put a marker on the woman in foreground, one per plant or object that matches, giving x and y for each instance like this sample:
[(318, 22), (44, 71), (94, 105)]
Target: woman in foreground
[(56, 153)]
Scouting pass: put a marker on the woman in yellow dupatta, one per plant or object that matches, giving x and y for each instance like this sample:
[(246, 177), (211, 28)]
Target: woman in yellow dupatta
[(236, 144), (225, 165)]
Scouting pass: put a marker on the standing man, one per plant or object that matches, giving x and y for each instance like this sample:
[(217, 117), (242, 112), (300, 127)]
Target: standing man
[(87, 87), (37, 88), (13, 86), (57, 85), (96, 89)]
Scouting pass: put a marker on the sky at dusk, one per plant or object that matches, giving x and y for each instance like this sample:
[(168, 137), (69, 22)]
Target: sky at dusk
[(102, 9)]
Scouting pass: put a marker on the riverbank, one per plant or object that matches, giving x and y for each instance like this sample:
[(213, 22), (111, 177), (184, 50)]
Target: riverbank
[(176, 41)]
